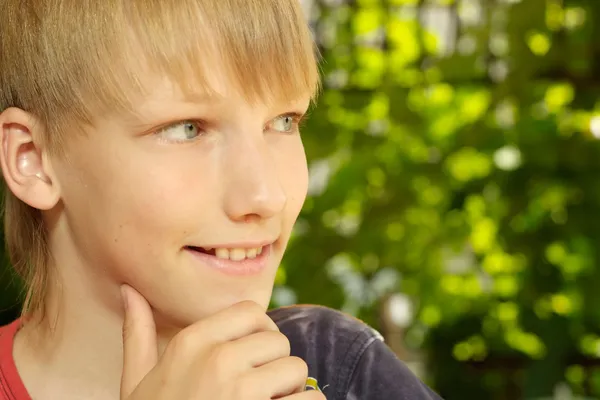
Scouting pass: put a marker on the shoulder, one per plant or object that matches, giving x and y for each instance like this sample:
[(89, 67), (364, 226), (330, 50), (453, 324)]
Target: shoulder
[(316, 320), (331, 342), (346, 358), (319, 332), (7, 335), (11, 386)]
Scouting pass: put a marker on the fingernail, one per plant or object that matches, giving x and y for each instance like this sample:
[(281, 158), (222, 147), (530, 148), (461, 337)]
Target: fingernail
[(125, 298)]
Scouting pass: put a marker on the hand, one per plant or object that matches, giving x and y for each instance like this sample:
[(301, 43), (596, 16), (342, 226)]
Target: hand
[(235, 354)]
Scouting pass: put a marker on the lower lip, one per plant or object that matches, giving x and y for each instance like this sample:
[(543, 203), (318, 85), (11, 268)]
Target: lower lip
[(248, 266)]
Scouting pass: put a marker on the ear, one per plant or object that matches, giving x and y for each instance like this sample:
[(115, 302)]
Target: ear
[(25, 164)]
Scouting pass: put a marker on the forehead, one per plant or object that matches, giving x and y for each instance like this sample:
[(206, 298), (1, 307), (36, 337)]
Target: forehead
[(165, 99), (260, 51)]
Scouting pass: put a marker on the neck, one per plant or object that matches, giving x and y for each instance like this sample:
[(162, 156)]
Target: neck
[(76, 351)]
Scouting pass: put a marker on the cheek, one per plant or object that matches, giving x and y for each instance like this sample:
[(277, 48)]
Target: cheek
[(293, 175), (166, 201), (143, 203), (145, 217)]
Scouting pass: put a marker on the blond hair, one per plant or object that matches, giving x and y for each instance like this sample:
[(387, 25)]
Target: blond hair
[(67, 61)]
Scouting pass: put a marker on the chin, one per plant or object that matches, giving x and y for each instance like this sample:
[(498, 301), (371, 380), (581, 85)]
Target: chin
[(227, 300), (190, 311)]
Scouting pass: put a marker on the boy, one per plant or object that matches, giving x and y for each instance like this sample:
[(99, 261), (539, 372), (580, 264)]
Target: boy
[(154, 171)]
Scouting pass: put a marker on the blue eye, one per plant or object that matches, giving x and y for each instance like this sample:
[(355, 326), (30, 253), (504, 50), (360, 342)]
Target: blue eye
[(185, 131), (286, 123)]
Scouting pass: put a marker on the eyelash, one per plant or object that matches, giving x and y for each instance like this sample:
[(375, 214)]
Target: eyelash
[(199, 124), (298, 120)]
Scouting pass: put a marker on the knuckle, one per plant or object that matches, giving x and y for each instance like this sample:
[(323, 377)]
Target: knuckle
[(250, 307), (285, 343), (222, 359), (299, 366), (221, 354), (254, 315), (182, 343), (281, 341)]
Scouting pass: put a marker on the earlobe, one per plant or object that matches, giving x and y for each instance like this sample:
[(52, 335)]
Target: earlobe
[(22, 160)]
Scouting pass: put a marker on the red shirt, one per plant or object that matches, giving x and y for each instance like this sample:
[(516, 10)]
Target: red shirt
[(11, 386)]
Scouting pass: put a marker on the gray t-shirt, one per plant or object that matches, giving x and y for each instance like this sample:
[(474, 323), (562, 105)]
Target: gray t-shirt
[(347, 360)]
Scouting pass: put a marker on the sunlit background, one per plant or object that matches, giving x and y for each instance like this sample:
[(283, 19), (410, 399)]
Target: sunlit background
[(455, 190)]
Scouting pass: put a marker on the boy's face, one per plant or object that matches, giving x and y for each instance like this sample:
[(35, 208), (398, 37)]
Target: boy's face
[(135, 199)]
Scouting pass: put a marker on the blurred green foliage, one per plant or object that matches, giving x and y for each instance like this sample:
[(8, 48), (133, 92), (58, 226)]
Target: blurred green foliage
[(454, 158), (454, 155)]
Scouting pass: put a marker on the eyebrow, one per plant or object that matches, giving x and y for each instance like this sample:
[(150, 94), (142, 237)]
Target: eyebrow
[(144, 116)]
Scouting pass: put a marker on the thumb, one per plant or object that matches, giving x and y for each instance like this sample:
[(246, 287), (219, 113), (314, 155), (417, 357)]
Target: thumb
[(140, 348)]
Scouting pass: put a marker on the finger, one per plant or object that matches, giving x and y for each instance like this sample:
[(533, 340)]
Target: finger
[(309, 395), (257, 349), (283, 377), (140, 348), (237, 321)]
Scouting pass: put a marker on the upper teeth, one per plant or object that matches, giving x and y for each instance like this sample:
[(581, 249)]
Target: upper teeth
[(237, 254)]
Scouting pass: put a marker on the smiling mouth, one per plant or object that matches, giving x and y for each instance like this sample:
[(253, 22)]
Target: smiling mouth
[(234, 254)]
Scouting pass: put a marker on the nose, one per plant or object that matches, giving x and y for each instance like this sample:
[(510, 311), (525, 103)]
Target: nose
[(253, 188)]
